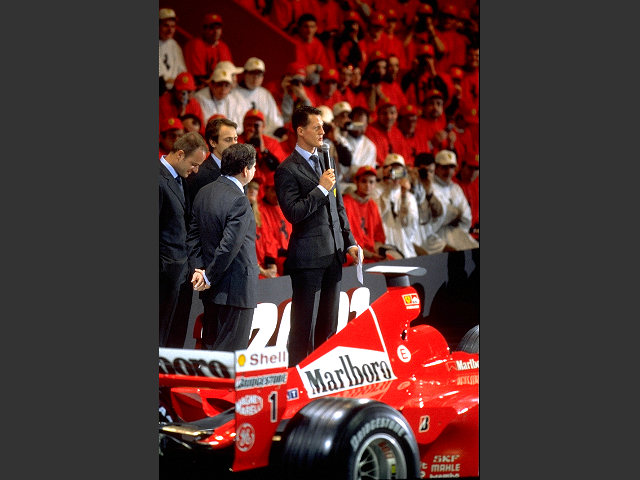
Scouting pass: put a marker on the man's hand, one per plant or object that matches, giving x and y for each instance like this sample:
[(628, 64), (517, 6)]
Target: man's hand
[(328, 179), (440, 136), (197, 280), (270, 272), (353, 251), (299, 92)]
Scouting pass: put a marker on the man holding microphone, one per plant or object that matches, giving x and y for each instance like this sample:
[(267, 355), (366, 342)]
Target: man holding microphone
[(321, 237)]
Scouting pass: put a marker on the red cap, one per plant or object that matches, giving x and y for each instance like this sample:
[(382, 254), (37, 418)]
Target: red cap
[(434, 92), (329, 74), (392, 14), (469, 112), (378, 19), (210, 18), (382, 105), (425, 9), (376, 55), (352, 16), (365, 169), (408, 110), (296, 69), (184, 81), (450, 9), (472, 159), (254, 113), (170, 123), (426, 49), (456, 72)]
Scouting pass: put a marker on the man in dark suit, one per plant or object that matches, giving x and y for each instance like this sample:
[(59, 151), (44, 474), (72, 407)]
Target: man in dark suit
[(222, 241), (306, 189), (220, 133), (176, 291)]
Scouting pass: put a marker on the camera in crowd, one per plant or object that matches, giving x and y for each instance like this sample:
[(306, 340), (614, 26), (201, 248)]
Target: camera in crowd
[(255, 139), (397, 172), (354, 126)]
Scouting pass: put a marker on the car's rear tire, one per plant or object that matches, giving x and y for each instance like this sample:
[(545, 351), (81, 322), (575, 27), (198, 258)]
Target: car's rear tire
[(348, 439), (470, 343)]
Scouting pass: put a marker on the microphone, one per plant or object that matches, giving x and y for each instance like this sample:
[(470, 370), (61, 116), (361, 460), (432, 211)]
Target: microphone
[(325, 150)]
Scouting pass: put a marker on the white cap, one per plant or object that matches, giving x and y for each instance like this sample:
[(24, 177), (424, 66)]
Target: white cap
[(393, 158), (222, 75), (327, 114), (229, 66), (167, 13), (446, 157), (254, 63), (340, 107)]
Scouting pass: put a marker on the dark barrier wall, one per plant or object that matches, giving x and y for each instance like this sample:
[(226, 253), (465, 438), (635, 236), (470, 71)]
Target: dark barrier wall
[(246, 33), (449, 292)]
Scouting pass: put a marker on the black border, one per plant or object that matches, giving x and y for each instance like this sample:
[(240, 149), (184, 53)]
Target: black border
[(81, 236), (80, 203), (553, 249)]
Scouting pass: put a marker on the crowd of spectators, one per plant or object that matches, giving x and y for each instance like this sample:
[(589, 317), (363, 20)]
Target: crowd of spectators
[(398, 84)]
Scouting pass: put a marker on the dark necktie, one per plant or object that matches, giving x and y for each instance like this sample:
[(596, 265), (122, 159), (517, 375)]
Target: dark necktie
[(179, 180), (316, 164)]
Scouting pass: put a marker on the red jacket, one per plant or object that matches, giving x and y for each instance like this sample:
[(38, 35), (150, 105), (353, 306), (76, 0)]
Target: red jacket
[(365, 222), (201, 58), (385, 142), (273, 235)]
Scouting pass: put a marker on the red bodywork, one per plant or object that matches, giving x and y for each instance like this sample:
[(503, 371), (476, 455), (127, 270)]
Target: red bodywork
[(377, 355)]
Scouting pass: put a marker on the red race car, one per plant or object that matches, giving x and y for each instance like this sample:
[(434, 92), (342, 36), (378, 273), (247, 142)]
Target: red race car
[(378, 400)]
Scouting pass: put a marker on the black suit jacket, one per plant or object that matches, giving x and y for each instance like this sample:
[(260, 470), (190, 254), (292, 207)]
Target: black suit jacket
[(222, 240), (174, 218), (207, 173), (319, 222)]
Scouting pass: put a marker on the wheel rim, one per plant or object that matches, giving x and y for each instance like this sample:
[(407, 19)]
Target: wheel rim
[(380, 457)]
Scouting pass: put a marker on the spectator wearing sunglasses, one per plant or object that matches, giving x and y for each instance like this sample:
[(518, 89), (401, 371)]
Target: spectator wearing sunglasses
[(203, 53)]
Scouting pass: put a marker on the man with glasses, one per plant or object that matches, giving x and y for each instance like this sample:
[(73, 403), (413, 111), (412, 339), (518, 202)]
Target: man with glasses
[(203, 53)]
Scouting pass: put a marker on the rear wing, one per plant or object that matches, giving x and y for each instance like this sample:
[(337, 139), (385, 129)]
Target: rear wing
[(256, 381), (183, 367)]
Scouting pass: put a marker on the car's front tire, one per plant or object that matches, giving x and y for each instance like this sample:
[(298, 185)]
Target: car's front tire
[(348, 439)]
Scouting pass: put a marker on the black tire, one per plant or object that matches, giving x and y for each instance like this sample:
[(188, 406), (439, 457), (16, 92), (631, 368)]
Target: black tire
[(348, 439), (470, 343)]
